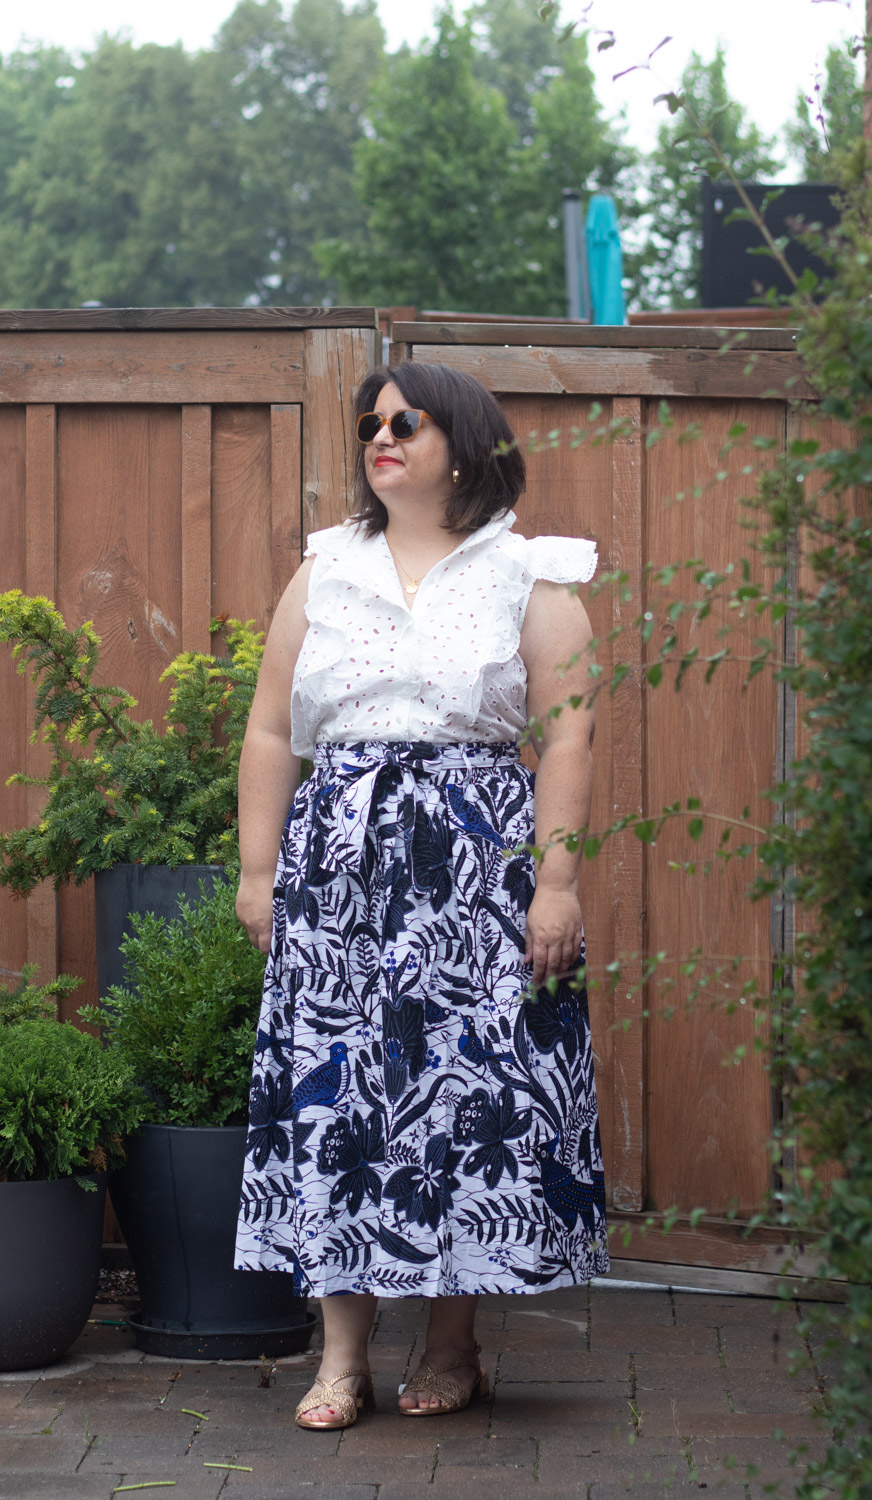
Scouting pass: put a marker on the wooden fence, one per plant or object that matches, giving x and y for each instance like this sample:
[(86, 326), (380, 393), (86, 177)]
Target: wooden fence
[(683, 1125), (159, 467)]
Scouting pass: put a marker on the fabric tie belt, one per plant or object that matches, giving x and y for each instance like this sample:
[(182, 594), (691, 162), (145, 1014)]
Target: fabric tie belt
[(350, 781)]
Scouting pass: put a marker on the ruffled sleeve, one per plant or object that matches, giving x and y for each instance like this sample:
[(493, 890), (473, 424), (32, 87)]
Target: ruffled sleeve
[(560, 559), (332, 542)]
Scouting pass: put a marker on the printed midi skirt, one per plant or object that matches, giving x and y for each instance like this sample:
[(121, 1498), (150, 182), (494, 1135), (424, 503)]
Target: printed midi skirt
[(419, 1125)]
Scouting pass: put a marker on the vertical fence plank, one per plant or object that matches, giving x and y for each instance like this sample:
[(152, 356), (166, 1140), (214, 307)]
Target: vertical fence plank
[(707, 1122), (41, 578), (14, 691), (285, 496), (336, 362), (196, 527), (628, 1146)]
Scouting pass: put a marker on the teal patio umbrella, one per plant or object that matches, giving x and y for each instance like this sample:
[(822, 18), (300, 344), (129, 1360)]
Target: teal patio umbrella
[(605, 260)]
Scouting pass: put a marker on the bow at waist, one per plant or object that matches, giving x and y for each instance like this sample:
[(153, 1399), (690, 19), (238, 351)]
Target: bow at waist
[(354, 786)]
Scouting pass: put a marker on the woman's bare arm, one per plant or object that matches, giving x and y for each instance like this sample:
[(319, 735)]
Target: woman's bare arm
[(556, 629), (269, 772)]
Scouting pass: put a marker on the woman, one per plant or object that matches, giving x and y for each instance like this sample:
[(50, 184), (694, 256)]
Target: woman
[(421, 1122)]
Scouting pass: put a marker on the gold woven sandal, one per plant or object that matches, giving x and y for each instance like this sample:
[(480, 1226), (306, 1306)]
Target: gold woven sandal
[(450, 1393), (324, 1393)]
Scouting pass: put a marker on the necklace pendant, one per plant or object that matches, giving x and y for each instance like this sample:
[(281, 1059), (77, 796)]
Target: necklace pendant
[(410, 588)]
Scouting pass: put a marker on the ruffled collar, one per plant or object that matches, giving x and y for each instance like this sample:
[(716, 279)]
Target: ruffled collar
[(389, 584)]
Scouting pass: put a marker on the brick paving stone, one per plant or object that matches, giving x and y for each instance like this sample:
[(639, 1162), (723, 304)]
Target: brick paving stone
[(574, 1365), (247, 1487), (618, 1463), (726, 1312), (617, 1306), (728, 1449), (772, 1337), (678, 1371), (483, 1484), (564, 1299), (42, 1455), (494, 1451), (386, 1434), (29, 1420), (679, 1412), (540, 1336), (752, 1392), (138, 1455), (374, 1468), (542, 1409), (307, 1466), (645, 1338), (641, 1489), (559, 1424), (736, 1426), (20, 1486), (149, 1423)]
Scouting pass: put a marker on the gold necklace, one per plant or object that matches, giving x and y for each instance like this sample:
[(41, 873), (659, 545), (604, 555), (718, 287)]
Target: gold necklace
[(414, 584)]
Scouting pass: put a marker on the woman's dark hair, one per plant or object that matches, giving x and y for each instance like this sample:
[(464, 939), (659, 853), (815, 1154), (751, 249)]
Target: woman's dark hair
[(481, 444)]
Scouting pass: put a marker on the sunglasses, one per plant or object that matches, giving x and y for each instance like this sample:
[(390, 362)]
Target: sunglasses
[(403, 425)]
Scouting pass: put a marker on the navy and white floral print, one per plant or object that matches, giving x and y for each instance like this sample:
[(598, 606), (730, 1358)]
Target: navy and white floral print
[(419, 1123)]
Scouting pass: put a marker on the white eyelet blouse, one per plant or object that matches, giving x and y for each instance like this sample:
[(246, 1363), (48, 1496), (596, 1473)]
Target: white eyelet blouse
[(447, 671)]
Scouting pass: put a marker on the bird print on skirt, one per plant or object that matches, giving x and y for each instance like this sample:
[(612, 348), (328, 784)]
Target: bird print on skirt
[(419, 1123)]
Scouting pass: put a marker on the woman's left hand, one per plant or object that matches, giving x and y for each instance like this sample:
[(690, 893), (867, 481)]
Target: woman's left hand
[(553, 932)]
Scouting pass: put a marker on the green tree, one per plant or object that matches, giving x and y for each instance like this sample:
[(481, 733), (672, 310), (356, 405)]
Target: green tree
[(515, 53), (97, 212), (160, 177), (464, 182), (436, 174), (667, 268), (828, 120), (300, 88), (33, 84)]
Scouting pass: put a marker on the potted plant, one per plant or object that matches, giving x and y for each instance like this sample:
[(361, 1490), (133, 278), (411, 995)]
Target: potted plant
[(65, 1105), (139, 806), (185, 1022)]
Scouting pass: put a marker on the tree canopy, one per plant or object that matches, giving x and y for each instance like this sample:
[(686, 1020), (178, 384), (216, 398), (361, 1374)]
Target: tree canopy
[(463, 180), (830, 119), (668, 266), (296, 162)]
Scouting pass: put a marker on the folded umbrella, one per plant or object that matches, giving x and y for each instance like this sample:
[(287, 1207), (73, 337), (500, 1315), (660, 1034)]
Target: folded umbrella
[(605, 260)]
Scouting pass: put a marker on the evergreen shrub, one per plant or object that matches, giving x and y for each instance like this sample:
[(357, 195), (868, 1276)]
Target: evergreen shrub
[(65, 1103), (185, 1019), (120, 789)]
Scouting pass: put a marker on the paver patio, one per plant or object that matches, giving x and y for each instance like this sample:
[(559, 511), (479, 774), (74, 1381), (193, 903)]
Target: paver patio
[(597, 1393)]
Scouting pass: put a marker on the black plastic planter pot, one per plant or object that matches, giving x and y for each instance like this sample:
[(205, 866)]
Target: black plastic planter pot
[(50, 1234), (139, 888), (177, 1199)]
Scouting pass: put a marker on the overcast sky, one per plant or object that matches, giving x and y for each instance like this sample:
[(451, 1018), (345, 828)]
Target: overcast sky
[(774, 47)]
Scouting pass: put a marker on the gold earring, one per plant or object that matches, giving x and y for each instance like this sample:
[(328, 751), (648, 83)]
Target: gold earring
[(455, 474)]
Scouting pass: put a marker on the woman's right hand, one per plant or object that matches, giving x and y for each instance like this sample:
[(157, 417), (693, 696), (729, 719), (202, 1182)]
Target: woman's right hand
[(254, 908)]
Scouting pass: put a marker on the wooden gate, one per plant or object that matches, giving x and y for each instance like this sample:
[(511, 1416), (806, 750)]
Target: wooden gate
[(684, 1126), (157, 468)]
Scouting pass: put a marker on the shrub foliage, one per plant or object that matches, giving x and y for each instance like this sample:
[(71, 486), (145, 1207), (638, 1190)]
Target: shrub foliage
[(65, 1103), (119, 789), (185, 1020)]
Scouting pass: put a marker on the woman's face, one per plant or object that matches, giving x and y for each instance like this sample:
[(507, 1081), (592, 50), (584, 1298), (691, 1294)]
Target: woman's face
[(418, 468)]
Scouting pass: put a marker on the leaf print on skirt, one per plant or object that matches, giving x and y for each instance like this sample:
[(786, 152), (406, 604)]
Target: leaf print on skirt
[(418, 1126), (270, 1106), (423, 1191), (353, 1150), (492, 1122)]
